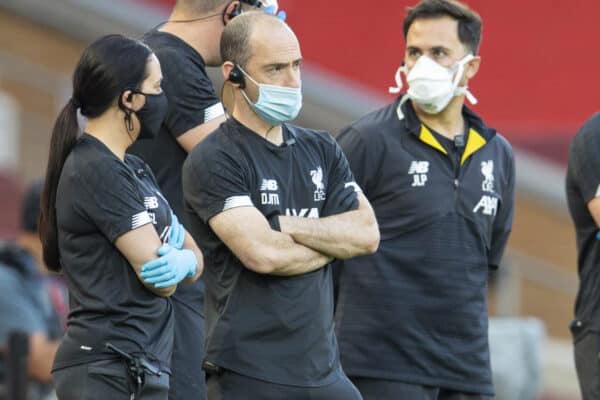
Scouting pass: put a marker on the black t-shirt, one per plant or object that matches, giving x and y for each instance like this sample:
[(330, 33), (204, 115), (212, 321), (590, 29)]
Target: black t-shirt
[(583, 185), (415, 311), (99, 199), (278, 329), (192, 102)]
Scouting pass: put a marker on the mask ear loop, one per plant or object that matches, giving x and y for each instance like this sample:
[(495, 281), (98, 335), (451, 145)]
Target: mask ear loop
[(398, 78), (127, 119), (463, 90)]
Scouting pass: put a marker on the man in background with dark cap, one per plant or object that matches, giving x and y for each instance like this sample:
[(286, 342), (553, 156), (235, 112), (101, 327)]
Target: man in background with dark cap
[(33, 302)]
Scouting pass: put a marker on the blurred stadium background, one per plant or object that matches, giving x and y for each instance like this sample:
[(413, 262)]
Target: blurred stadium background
[(536, 86)]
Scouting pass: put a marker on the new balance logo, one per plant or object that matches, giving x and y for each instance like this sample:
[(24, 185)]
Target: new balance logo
[(269, 184), (150, 202), (419, 171)]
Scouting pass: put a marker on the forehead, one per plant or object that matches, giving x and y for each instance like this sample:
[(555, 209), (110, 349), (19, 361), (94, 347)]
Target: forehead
[(274, 43), (430, 32)]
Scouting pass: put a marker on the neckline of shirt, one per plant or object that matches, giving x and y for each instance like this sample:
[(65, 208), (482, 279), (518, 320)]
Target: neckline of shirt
[(247, 132)]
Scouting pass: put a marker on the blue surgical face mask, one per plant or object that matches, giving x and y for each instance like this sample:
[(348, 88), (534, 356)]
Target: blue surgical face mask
[(275, 104)]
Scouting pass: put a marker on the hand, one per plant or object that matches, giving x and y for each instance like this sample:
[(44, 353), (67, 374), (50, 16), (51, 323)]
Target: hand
[(176, 234), (170, 268)]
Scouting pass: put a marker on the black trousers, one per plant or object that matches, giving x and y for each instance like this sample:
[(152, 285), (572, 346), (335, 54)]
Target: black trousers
[(187, 379), (102, 380), (381, 389), (587, 361), (232, 386)]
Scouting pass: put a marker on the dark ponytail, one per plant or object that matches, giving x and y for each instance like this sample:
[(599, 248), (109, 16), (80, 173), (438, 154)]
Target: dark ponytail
[(108, 67), (64, 137)]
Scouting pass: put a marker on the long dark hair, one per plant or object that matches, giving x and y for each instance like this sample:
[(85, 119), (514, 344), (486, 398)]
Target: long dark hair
[(108, 67)]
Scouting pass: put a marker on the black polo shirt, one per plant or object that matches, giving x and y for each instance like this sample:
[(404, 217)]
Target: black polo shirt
[(416, 310), (583, 185), (100, 198), (278, 329)]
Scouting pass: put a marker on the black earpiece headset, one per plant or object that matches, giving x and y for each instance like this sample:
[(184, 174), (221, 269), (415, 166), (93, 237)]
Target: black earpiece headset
[(237, 76)]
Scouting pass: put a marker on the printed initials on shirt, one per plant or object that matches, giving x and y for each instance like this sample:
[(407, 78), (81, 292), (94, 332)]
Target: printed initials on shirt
[(419, 171), (266, 198)]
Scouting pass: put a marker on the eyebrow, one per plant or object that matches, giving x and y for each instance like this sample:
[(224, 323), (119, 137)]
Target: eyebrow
[(282, 65), (434, 48)]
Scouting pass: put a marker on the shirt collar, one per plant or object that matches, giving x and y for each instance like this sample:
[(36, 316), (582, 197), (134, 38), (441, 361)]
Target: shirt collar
[(479, 133)]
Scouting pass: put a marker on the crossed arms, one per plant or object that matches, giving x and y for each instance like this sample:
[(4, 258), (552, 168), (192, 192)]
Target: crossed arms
[(303, 245)]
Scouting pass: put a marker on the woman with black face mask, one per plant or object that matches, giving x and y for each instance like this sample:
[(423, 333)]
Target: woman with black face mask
[(105, 224)]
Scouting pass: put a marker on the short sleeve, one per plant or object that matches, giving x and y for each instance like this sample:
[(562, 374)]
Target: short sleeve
[(214, 181), (584, 163), (342, 187), (17, 311), (504, 220), (111, 198), (191, 95)]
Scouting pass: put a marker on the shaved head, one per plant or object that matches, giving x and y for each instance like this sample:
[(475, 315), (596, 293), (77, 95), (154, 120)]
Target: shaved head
[(240, 34)]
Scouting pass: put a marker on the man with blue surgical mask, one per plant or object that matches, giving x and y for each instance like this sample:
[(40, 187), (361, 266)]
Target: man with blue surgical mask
[(272, 204), (412, 318), (186, 44)]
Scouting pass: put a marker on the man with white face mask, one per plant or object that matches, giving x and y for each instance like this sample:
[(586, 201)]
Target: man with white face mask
[(272, 204), (412, 319)]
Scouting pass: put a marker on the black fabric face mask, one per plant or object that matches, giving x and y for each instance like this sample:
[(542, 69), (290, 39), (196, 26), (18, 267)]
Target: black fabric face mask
[(152, 115)]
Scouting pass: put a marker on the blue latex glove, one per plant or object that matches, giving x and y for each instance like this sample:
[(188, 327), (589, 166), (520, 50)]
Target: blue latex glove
[(271, 7), (177, 233), (170, 268)]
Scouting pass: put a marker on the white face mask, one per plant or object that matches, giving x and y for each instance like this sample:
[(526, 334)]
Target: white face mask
[(432, 86)]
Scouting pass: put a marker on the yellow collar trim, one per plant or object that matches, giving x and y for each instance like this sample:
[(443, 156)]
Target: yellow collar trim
[(474, 142), (427, 137)]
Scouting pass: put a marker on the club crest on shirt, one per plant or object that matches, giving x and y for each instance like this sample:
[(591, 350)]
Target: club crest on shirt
[(317, 179), (419, 171), (487, 170), (487, 204)]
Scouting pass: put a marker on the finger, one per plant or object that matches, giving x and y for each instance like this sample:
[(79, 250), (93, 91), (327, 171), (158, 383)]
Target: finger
[(156, 263), (156, 276), (164, 249), (166, 284), (156, 272), (161, 278)]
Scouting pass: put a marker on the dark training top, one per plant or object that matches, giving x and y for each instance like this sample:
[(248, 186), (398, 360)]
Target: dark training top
[(416, 310), (192, 102), (99, 199), (583, 185), (277, 329)]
